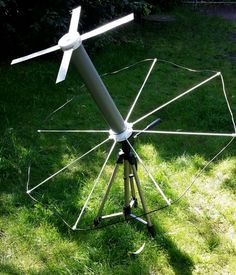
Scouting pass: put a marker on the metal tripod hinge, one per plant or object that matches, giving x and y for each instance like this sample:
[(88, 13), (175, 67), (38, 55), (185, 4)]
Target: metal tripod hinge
[(131, 179)]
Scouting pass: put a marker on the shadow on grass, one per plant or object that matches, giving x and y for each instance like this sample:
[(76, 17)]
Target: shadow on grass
[(10, 269), (230, 184), (180, 261), (117, 242)]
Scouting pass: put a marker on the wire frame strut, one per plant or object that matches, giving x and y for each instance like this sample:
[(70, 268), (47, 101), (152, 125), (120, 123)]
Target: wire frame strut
[(95, 184), (98, 131), (65, 167)]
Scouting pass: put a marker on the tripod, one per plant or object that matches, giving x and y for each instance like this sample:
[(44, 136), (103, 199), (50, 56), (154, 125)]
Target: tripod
[(126, 158)]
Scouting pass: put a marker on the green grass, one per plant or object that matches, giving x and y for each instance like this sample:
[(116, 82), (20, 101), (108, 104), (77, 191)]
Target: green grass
[(197, 235)]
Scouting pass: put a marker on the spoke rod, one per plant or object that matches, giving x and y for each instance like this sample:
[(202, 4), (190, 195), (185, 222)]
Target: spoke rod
[(149, 174), (65, 167), (95, 184), (72, 131), (227, 101), (141, 89), (59, 108), (186, 133), (177, 97)]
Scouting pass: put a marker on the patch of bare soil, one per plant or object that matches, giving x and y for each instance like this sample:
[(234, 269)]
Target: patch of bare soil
[(226, 11)]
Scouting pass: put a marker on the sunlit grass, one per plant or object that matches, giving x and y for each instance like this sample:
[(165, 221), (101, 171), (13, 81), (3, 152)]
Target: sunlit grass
[(195, 235)]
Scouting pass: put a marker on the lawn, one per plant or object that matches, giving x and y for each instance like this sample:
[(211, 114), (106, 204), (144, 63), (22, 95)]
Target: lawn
[(195, 235)]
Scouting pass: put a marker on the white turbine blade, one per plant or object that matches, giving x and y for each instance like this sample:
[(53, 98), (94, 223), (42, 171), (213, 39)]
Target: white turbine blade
[(108, 26), (33, 55), (64, 65), (74, 22)]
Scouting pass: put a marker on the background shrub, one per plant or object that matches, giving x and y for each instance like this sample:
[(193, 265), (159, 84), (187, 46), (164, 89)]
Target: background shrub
[(27, 24)]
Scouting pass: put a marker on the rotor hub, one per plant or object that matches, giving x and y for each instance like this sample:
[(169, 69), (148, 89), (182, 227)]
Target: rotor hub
[(70, 40), (124, 135)]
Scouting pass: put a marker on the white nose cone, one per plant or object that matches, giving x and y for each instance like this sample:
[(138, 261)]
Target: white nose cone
[(71, 40)]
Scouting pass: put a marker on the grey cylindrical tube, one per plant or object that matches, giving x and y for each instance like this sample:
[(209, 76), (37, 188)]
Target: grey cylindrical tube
[(98, 90)]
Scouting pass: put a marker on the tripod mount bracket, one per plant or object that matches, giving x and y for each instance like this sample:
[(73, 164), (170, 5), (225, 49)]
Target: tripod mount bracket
[(123, 135)]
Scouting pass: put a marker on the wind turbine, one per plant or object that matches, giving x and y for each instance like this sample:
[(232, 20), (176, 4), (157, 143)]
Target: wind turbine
[(121, 131), (72, 40)]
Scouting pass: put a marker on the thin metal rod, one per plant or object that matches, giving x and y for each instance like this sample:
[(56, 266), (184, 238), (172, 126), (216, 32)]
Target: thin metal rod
[(65, 167), (199, 173), (149, 174), (95, 184), (112, 215), (141, 195), (185, 68), (186, 133), (44, 205), (126, 182), (177, 97), (72, 131), (131, 175), (127, 67), (59, 108), (101, 75), (107, 190), (227, 101), (138, 219), (141, 89)]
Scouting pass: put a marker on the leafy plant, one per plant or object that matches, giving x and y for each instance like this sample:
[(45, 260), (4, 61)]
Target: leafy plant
[(37, 24)]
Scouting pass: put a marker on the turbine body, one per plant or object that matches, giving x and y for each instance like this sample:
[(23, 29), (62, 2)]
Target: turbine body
[(98, 90)]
